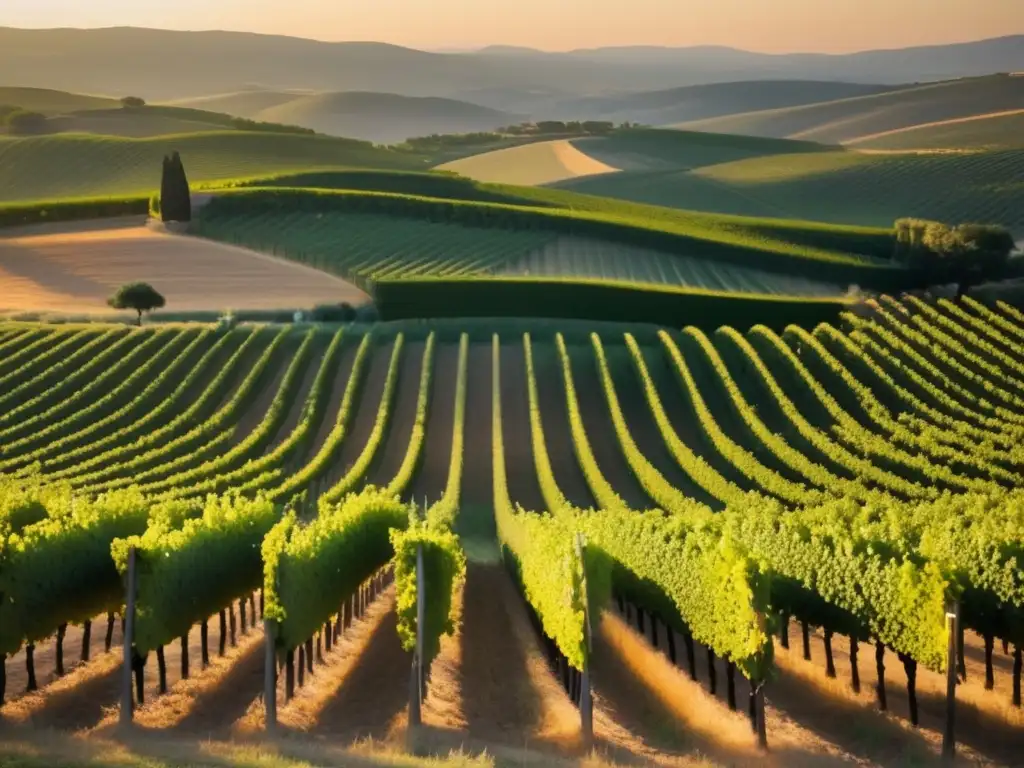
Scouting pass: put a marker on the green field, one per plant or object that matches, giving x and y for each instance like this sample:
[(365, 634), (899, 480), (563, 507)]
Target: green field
[(80, 165)]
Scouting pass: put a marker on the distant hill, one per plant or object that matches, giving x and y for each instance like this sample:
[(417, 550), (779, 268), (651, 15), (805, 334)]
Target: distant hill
[(848, 120), (79, 165), (697, 102), (51, 102), (248, 103), (134, 61), (385, 117), (144, 121)]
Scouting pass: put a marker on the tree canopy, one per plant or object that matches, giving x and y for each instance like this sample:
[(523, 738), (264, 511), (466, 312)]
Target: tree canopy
[(965, 254), (142, 297), (132, 102), (22, 122)]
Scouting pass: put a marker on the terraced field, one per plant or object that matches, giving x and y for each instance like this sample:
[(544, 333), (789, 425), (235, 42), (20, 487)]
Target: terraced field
[(900, 405)]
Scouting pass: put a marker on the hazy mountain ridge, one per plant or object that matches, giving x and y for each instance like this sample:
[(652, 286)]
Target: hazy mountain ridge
[(129, 60)]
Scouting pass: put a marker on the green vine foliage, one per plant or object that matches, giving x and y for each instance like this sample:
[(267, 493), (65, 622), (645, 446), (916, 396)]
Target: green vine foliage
[(309, 569), (541, 548), (444, 562), (697, 574), (59, 570), (188, 573), (444, 567)]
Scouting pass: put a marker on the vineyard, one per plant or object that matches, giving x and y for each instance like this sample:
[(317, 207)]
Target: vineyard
[(856, 481)]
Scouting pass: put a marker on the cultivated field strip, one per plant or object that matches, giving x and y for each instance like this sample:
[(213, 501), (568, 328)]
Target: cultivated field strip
[(376, 247), (603, 428)]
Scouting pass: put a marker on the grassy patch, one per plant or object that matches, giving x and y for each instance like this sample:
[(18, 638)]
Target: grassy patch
[(83, 165)]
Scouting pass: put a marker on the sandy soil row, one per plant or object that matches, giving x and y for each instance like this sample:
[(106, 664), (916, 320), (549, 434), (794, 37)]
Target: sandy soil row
[(431, 476), (360, 425), (391, 453), (520, 469), (74, 268), (557, 433)]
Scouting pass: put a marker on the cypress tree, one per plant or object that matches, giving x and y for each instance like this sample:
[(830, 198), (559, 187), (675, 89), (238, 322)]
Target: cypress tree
[(175, 199)]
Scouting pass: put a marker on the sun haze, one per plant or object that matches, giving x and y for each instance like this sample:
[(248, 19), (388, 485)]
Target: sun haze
[(759, 25)]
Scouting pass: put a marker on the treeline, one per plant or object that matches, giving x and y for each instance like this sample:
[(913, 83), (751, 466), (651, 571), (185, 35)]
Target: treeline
[(966, 254)]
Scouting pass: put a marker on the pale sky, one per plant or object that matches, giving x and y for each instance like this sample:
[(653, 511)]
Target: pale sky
[(759, 25)]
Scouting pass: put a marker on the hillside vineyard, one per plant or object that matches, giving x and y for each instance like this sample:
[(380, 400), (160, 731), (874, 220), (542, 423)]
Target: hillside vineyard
[(855, 476)]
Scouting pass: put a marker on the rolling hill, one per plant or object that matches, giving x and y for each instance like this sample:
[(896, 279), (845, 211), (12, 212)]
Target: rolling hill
[(753, 176), (1002, 130), (845, 187), (544, 162), (632, 150), (73, 165), (51, 102), (385, 117), (846, 120), (697, 102), (131, 60)]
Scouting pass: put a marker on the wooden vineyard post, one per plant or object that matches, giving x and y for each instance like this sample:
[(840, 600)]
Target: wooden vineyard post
[(586, 701), (61, 633), (161, 666), (86, 639), (952, 654), (270, 674), (127, 704), (757, 700), (416, 673), (108, 640)]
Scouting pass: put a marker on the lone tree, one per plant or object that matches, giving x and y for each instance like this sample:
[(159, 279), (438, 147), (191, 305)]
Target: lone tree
[(142, 297), (132, 102), (175, 198)]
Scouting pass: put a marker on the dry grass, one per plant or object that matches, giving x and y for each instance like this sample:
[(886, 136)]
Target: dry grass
[(359, 691), (544, 162), (74, 268), (989, 731)]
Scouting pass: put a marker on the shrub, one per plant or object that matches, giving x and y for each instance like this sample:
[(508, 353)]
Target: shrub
[(132, 102), (25, 123)]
